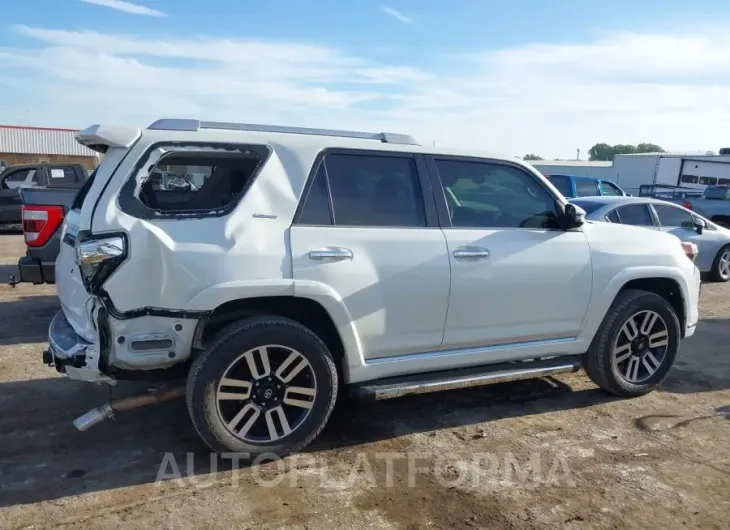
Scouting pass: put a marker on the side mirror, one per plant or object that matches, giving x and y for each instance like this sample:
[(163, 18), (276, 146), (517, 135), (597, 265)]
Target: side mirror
[(573, 216), (700, 225)]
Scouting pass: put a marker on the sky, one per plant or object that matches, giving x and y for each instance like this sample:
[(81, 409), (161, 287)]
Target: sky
[(525, 76)]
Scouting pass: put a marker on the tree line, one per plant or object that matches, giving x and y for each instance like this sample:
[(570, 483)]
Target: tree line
[(606, 152)]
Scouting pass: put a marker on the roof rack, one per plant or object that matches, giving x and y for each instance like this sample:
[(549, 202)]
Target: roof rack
[(172, 124)]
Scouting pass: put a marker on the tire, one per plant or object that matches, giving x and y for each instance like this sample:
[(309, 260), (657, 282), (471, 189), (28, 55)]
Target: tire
[(720, 271), (624, 378), (231, 355)]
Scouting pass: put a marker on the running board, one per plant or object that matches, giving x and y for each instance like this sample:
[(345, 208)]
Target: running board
[(394, 387)]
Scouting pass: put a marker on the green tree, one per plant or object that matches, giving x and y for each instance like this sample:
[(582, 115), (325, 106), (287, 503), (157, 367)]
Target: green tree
[(606, 152), (649, 148), (623, 149), (530, 156), (601, 152)]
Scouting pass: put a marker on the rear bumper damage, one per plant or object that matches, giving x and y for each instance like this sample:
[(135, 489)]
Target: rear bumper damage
[(147, 348), (70, 354)]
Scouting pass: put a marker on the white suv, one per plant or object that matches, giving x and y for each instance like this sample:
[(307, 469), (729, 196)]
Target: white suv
[(303, 260)]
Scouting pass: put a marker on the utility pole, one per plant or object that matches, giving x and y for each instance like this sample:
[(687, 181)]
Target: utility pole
[(577, 154)]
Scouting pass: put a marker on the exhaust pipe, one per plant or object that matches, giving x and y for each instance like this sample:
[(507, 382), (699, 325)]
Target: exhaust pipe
[(106, 411)]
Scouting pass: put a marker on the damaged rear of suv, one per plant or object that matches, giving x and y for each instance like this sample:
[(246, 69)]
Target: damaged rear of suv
[(142, 246), (271, 265)]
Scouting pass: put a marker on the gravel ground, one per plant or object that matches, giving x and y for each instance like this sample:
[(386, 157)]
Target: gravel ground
[(544, 453)]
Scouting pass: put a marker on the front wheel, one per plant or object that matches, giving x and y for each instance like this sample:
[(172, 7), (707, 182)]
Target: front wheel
[(636, 345), (266, 386)]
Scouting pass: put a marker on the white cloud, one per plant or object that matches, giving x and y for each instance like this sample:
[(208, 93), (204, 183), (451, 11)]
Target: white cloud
[(396, 14), (127, 7), (543, 98)]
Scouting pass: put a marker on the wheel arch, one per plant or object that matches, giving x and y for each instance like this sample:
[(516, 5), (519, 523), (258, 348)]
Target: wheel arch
[(314, 305), (667, 282)]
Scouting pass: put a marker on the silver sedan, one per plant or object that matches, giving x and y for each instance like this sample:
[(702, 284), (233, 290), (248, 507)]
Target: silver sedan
[(712, 240)]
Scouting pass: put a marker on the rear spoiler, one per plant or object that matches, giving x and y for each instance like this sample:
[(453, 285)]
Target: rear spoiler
[(102, 137)]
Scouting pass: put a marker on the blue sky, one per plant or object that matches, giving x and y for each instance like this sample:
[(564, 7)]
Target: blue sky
[(520, 76)]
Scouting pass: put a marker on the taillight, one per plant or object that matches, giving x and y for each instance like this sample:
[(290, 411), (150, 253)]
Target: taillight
[(687, 204), (98, 258), (40, 223), (690, 249)]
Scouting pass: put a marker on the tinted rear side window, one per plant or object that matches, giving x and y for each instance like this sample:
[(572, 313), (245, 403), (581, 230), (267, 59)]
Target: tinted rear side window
[(612, 217), (374, 190), (562, 183), (635, 214), (81, 195), (316, 207)]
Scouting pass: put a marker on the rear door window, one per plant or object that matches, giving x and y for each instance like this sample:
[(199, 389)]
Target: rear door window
[(586, 187), (374, 190), (60, 176), (635, 214)]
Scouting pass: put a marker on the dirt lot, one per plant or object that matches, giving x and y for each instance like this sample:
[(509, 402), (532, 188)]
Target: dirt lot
[(549, 452)]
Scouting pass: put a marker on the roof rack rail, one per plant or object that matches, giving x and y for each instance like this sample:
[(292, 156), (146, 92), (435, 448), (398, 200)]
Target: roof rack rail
[(173, 124)]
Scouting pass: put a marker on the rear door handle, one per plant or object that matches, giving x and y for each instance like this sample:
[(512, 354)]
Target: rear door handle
[(330, 253), (471, 253)]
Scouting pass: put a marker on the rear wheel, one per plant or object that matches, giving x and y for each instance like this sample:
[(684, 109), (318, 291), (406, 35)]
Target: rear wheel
[(720, 271), (267, 385), (636, 345)]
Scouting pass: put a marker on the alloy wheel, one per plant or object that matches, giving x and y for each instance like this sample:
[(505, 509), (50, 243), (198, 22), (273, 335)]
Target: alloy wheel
[(641, 346), (266, 393), (723, 266)]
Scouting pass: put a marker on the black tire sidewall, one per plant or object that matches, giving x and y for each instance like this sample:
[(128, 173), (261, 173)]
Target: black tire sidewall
[(208, 370), (650, 302)]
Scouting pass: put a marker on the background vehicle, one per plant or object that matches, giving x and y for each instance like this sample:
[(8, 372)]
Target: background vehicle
[(668, 193), (714, 204), (572, 186), (309, 259), (712, 240), (15, 178), (43, 212)]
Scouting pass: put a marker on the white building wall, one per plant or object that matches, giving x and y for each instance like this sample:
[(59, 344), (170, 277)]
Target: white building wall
[(576, 169)]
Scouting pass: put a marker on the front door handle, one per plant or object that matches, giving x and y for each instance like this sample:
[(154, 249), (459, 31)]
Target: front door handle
[(469, 253), (330, 253)]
